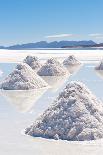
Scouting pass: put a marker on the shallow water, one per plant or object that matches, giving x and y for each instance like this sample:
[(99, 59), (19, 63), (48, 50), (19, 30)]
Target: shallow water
[(18, 110)]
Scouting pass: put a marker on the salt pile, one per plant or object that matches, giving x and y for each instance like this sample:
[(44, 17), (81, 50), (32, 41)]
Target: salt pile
[(52, 68), (99, 66), (76, 115), (33, 62), (22, 78), (71, 60)]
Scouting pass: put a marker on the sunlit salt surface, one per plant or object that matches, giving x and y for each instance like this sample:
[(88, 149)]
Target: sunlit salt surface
[(33, 62), (52, 67), (12, 122), (71, 60), (75, 115), (22, 78)]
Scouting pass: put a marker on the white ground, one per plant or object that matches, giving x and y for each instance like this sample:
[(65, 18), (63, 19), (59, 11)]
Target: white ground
[(12, 142), (18, 56)]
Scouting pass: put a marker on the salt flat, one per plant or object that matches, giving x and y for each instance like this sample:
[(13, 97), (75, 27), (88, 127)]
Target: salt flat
[(13, 121), (19, 55)]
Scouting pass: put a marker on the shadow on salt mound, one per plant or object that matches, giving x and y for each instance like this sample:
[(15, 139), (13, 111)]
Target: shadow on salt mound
[(23, 100), (55, 82)]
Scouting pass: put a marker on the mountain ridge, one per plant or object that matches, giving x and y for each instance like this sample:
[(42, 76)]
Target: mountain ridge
[(54, 44)]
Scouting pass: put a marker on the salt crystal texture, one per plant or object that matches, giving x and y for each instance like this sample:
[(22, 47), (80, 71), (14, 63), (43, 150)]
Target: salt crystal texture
[(71, 60), (22, 78), (99, 66), (76, 115), (52, 68), (33, 62)]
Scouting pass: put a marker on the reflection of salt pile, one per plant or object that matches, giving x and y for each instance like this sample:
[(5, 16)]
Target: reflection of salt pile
[(1, 72), (52, 68), (99, 69), (22, 78), (33, 62), (71, 60), (75, 115), (55, 82), (23, 100), (99, 66)]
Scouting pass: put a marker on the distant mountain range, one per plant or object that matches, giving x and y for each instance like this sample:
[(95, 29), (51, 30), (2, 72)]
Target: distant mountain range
[(54, 44)]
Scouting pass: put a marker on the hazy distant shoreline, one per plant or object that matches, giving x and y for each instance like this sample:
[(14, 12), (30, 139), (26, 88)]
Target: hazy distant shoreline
[(16, 56)]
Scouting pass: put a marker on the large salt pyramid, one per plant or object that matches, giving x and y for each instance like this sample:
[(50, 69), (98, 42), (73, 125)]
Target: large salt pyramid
[(33, 62), (71, 60), (76, 115), (99, 66), (22, 78), (52, 68)]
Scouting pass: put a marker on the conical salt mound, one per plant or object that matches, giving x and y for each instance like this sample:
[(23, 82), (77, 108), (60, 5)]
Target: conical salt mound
[(22, 78), (52, 68), (71, 60), (99, 66), (33, 62), (76, 115)]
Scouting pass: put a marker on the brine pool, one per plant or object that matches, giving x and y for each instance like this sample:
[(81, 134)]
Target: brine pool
[(18, 109)]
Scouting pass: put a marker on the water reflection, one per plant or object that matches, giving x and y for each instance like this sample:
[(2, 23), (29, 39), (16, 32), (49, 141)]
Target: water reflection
[(55, 82), (23, 100), (73, 68), (1, 72), (99, 73)]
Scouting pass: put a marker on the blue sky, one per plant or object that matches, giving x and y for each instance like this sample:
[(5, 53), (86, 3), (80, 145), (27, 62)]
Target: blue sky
[(23, 21)]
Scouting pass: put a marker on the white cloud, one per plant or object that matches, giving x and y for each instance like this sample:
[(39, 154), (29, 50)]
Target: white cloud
[(59, 36), (96, 35)]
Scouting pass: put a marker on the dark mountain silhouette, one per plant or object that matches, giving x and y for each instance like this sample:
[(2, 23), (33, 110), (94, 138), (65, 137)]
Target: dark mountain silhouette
[(54, 44)]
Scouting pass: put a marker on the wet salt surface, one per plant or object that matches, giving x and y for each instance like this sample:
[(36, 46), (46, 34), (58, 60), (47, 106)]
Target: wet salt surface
[(12, 121)]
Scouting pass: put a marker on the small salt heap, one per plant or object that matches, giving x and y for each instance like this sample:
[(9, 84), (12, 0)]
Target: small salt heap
[(33, 62), (22, 78), (71, 60), (52, 68), (99, 66), (76, 115)]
